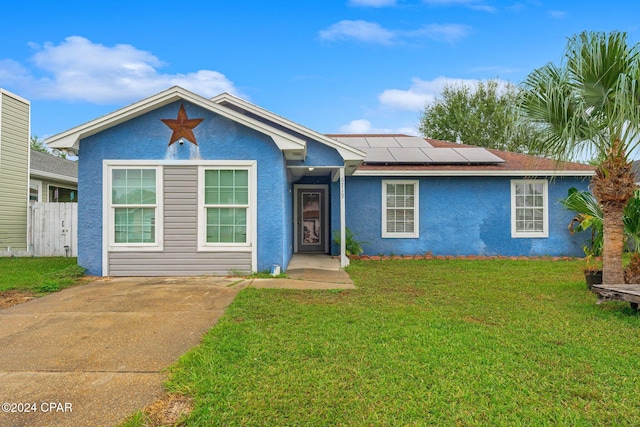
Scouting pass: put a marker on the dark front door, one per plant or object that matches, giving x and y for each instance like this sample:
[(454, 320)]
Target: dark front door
[(311, 220)]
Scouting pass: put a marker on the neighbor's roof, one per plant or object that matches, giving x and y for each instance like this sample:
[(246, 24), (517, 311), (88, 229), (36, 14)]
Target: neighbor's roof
[(45, 165), (403, 155)]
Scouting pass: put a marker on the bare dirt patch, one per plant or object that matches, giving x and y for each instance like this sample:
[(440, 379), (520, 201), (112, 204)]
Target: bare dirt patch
[(168, 410), (14, 297)]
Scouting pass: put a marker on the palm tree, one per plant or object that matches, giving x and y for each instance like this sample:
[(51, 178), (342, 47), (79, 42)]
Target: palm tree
[(590, 104)]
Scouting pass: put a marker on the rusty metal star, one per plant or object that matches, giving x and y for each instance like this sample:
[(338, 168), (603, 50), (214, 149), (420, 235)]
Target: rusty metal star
[(182, 127)]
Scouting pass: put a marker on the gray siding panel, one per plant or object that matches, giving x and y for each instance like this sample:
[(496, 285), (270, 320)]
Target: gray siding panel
[(180, 256)]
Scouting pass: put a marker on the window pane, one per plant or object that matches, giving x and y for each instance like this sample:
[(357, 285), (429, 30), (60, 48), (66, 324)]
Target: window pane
[(241, 196), (134, 225), (129, 188), (409, 201), (226, 187), (211, 196), (408, 226), (242, 178), (211, 178), (226, 196), (226, 225), (226, 178), (391, 190)]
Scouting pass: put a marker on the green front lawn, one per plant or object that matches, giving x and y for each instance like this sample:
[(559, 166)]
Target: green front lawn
[(46, 274), (455, 342)]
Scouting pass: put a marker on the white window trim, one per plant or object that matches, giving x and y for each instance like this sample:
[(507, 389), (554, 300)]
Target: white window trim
[(35, 184), (545, 213), (250, 245), (108, 210), (416, 210)]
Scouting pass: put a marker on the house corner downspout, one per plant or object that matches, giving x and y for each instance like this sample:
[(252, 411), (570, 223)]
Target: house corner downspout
[(344, 260)]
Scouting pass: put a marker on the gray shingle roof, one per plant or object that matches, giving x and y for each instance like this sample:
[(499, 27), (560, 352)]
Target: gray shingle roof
[(49, 164)]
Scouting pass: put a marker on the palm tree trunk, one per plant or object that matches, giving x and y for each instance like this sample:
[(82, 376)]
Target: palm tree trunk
[(613, 244)]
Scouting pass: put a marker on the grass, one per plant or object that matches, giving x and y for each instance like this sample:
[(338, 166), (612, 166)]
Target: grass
[(40, 275), (421, 342)]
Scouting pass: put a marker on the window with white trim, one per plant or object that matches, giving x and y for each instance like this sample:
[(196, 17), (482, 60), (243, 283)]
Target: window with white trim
[(134, 206), (400, 208), (529, 208), (226, 206)]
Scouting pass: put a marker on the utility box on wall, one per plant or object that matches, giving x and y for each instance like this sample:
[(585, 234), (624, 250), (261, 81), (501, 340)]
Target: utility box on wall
[(14, 172)]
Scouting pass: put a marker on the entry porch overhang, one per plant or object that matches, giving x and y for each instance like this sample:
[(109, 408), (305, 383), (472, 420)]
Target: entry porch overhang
[(337, 174)]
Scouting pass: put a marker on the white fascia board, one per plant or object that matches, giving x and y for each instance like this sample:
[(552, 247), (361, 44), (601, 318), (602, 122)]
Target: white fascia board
[(14, 96), (53, 176), (396, 172), (71, 138), (347, 152)]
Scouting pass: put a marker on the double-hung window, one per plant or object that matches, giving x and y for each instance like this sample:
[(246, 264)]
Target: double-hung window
[(400, 208), (226, 207), (529, 208), (134, 206)]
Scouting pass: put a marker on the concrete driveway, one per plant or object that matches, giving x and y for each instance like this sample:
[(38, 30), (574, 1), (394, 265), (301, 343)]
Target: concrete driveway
[(93, 354)]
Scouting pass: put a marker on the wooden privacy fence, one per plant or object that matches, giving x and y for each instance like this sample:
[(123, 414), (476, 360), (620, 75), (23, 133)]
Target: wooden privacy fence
[(53, 229)]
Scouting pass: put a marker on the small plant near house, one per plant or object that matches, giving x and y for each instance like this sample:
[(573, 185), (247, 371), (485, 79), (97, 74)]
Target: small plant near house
[(266, 274), (352, 246), (49, 286)]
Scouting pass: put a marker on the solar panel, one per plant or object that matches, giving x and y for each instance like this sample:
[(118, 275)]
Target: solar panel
[(409, 155), (382, 141), (356, 142), (444, 155), (412, 141), (379, 155), (478, 155)]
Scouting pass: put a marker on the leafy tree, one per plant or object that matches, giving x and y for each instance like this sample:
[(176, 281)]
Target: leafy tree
[(591, 104), (485, 115), (38, 145)]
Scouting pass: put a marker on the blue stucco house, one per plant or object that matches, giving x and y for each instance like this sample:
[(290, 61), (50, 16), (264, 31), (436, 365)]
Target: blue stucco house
[(178, 184)]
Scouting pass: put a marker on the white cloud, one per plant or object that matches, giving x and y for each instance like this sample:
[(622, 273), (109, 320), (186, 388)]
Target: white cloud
[(449, 33), (421, 92), (410, 100), (417, 96), (558, 14), (471, 4), (80, 70), (356, 126), (357, 30), (363, 126), (372, 3), (372, 32)]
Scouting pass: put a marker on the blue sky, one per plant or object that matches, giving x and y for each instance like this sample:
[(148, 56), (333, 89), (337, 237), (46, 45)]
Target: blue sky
[(348, 66)]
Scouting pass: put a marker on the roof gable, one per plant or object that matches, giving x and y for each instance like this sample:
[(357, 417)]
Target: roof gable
[(293, 148)]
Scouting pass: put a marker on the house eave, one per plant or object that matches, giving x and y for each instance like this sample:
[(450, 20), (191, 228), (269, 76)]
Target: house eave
[(486, 173), (35, 174), (348, 153)]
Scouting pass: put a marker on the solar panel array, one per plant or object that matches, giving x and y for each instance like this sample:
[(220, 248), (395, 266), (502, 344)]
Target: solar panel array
[(413, 149)]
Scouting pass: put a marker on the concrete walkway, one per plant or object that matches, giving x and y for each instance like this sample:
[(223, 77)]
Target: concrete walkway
[(92, 355), (310, 271)]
